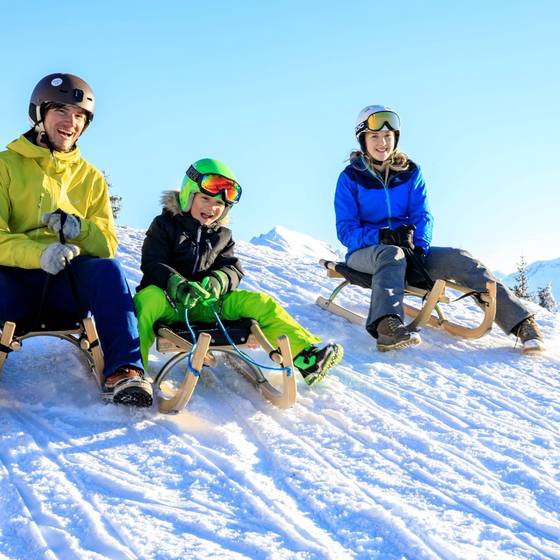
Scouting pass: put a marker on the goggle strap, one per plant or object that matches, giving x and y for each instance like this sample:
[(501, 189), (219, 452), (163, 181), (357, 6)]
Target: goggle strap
[(193, 174)]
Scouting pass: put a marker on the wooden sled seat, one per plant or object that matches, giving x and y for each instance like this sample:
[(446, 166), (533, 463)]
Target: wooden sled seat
[(239, 331), (210, 338), (80, 332), (431, 300)]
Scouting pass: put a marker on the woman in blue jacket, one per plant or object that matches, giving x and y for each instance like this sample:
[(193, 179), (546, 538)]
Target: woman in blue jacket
[(383, 219)]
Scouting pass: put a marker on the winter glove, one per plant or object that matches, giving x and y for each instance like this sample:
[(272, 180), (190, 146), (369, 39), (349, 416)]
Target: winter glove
[(71, 228), (180, 292), (56, 255), (403, 236), (217, 282)]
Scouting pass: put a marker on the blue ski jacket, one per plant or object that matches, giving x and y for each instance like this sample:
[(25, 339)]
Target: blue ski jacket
[(364, 204)]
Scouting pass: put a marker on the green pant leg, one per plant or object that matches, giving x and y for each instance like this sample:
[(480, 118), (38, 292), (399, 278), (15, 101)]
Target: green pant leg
[(273, 319), (152, 305)]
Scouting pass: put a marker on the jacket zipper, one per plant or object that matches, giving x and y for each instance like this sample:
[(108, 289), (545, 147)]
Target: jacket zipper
[(197, 257), (385, 188)]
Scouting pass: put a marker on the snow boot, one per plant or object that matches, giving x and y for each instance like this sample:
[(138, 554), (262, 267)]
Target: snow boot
[(393, 335), (128, 386), (530, 336), (314, 363)]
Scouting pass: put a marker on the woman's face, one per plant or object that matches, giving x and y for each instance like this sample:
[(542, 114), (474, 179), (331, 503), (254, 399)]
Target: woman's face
[(207, 209), (380, 144)]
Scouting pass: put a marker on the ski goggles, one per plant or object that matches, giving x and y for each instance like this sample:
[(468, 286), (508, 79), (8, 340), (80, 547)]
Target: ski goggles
[(377, 121), (212, 184)]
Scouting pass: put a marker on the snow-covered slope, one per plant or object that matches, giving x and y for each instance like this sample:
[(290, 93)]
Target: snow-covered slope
[(539, 274), (445, 451)]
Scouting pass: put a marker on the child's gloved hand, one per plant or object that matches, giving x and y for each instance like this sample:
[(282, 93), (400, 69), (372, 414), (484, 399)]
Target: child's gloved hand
[(215, 284), (204, 291), (180, 291)]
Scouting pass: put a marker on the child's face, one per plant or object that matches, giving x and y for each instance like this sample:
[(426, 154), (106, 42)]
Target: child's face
[(207, 209)]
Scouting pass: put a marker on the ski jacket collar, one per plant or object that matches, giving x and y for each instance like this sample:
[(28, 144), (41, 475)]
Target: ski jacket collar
[(357, 171), (27, 149)]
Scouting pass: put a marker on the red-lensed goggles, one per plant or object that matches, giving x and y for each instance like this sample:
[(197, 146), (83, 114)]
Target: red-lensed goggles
[(212, 184), (376, 121)]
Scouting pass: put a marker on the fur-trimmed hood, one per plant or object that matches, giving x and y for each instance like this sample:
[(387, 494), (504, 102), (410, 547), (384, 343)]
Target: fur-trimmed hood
[(170, 202)]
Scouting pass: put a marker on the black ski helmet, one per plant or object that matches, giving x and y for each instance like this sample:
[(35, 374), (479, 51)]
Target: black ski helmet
[(61, 88)]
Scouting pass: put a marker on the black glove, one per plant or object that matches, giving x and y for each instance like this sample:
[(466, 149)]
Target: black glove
[(403, 236)]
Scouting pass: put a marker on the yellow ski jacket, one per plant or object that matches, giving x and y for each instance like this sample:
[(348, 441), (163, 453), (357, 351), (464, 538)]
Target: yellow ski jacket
[(34, 181)]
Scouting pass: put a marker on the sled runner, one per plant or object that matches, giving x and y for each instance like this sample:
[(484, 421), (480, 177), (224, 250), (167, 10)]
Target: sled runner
[(420, 316), (210, 341), (81, 333)]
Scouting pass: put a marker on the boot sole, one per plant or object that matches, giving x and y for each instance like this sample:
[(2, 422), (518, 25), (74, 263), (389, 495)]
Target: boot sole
[(333, 361), (412, 341), (134, 392)]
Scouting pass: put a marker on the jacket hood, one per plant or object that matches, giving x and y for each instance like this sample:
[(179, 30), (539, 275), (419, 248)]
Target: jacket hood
[(170, 202), (27, 149)]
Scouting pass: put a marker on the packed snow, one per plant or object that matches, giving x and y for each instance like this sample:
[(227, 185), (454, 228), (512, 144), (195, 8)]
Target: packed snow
[(449, 450)]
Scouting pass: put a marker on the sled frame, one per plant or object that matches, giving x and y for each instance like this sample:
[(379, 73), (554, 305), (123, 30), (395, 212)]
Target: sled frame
[(83, 336), (169, 341), (431, 302)]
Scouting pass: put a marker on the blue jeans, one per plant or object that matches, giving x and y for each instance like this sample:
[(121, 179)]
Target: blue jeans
[(103, 291), (387, 263)]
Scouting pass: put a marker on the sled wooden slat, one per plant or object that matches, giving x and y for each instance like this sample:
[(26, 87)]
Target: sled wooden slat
[(332, 307), (185, 391), (431, 300), (95, 349), (288, 395), (489, 308), (8, 331), (83, 336)]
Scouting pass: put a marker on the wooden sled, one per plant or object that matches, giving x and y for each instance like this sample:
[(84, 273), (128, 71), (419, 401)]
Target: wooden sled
[(245, 333), (81, 333), (431, 302)]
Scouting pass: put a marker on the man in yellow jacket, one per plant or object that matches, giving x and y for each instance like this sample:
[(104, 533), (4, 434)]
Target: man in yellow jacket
[(49, 195)]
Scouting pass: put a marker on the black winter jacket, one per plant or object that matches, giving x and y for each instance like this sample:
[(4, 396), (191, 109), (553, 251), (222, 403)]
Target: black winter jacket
[(176, 239)]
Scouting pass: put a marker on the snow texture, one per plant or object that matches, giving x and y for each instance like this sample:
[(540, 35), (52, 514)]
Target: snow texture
[(449, 450)]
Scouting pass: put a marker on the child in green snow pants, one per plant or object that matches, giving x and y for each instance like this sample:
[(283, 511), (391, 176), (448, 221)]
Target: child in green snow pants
[(153, 305), (188, 259)]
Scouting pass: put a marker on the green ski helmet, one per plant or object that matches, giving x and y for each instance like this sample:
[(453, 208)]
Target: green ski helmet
[(194, 183)]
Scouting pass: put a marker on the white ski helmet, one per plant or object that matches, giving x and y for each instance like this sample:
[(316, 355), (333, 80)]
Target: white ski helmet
[(377, 117)]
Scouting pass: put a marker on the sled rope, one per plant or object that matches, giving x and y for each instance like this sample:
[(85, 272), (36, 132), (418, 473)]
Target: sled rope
[(242, 354), (190, 367)]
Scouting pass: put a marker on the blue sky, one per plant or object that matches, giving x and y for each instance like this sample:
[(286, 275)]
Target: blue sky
[(273, 89)]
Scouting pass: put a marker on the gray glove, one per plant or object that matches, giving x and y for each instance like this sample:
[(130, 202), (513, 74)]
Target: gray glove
[(71, 228), (53, 258)]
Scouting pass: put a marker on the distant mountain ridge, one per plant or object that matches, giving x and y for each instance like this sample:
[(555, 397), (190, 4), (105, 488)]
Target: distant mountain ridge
[(283, 239), (539, 274)]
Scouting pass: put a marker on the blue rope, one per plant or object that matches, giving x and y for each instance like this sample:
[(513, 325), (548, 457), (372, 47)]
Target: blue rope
[(243, 355), (194, 341)]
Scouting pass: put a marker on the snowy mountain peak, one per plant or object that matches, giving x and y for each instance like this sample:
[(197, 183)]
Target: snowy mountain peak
[(286, 240)]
